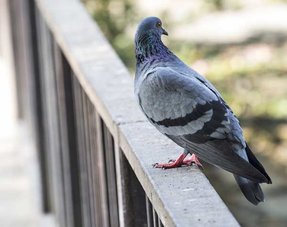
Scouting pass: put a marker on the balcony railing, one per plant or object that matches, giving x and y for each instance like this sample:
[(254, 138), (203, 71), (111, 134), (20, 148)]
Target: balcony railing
[(95, 147)]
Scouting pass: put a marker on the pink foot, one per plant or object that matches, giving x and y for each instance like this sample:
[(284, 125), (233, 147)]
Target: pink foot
[(172, 163), (181, 160)]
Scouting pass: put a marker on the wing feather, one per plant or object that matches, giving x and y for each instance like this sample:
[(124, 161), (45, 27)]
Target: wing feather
[(219, 153)]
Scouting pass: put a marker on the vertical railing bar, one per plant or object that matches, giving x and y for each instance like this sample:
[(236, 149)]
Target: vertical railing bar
[(93, 167), (15, 18), (84, 156), (55, 127), (81, 148), (96, 199), (111, 177), (155, 218), (87, 122), (134, 200), (55, 114), (102, 183), (63, 76), (149, 212), (51, 128), (83, 160), (104, 166), (70, 119), (49, 165), (120, 184), (39, 132), (98, 165), (24, 62)]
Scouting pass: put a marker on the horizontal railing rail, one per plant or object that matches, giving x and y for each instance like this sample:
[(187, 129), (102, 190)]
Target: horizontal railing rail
[(95, 147)]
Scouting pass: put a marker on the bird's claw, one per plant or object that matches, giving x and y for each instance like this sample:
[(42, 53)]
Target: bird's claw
[(182, 161), (155, 165), (194, 160), (160, 165), (168, 165)]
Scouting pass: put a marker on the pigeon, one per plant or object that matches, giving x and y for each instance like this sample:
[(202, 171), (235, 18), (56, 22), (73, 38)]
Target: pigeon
[(187, 108)]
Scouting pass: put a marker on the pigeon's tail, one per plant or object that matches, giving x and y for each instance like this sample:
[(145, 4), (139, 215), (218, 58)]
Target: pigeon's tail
[(251, 190)]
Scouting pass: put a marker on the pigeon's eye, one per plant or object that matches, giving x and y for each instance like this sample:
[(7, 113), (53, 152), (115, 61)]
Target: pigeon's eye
[(158, 24)]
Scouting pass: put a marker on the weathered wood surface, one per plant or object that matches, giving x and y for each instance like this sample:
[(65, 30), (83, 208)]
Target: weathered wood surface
[(180, 197)]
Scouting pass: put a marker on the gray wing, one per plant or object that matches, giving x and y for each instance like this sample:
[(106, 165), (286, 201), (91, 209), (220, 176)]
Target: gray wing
[(197, 118), (180, 105)]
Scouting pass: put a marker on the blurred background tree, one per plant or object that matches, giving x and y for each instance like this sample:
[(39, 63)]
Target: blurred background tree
[(240, 46), (114, 18)]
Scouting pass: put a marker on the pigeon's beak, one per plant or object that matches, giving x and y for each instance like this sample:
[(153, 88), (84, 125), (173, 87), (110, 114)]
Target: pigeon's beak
[(164, 32)]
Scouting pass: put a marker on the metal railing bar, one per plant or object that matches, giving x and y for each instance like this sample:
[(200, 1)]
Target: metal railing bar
[(87, 158), (77, 90), (96, 177), (102, 181), (59, 112), (134, 197), (90, 115), (39, 132), (149, 212), (51, 125), (50, 184), (119, 182), (70, 119), (109, 157), (155, 218), (16, 8)]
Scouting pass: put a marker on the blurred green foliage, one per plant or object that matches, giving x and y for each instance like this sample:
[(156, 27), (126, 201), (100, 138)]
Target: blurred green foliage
[(114, 17)]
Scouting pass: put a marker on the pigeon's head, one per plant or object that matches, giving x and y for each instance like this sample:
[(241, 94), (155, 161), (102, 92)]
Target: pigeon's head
[(150, 26)]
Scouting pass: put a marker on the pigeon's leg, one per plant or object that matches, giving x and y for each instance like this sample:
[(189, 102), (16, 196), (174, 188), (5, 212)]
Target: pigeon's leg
[(172, 163), (192, 160)]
